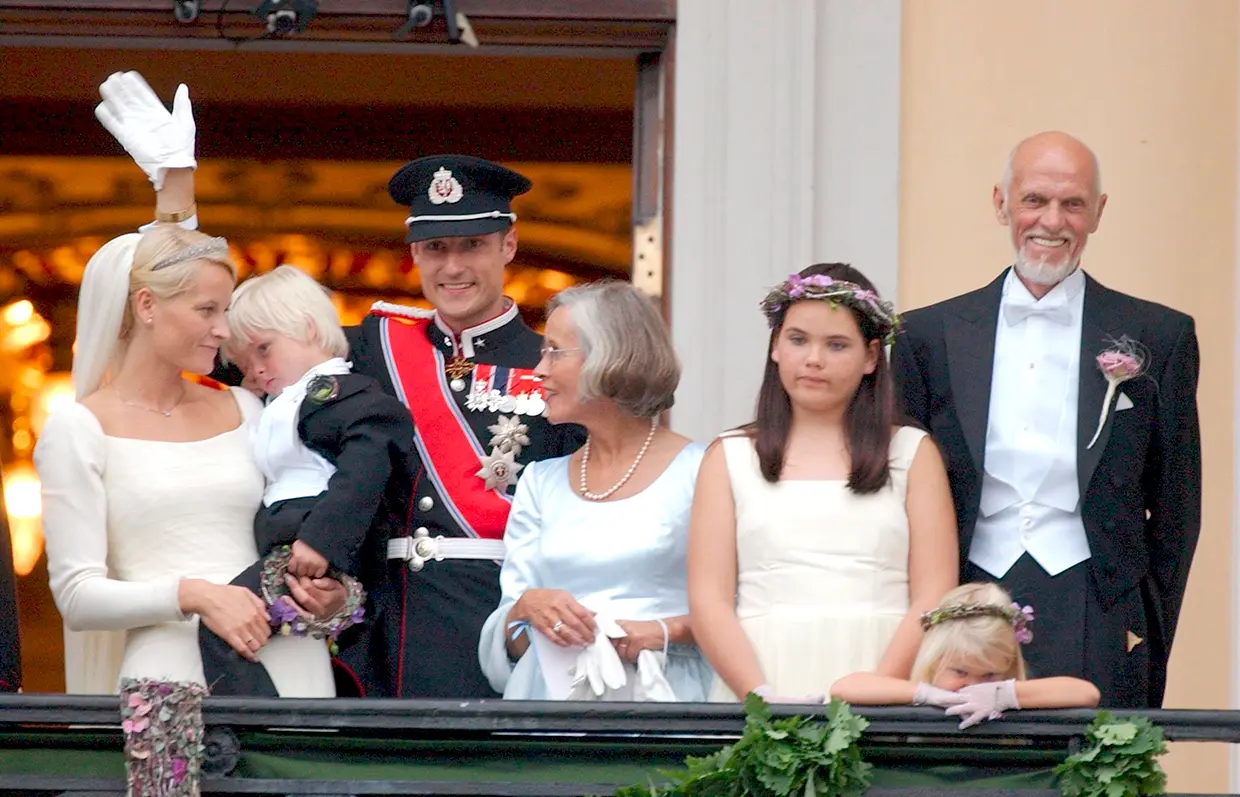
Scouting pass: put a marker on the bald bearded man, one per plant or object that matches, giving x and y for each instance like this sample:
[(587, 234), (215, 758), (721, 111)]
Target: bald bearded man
[(1067, 415)]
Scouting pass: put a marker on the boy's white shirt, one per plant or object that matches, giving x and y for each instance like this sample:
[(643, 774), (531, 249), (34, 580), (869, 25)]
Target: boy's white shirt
[(290, 468)]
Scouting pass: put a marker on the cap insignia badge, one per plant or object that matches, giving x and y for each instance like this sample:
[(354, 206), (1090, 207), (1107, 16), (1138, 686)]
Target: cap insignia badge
[(445, 188)]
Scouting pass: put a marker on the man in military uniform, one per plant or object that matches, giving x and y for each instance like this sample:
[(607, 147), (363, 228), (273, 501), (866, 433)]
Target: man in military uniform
[(465, 370), (10, 645)]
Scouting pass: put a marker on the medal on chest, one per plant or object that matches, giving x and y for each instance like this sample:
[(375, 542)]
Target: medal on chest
[(507, 390), (500, 468), (457, 369)]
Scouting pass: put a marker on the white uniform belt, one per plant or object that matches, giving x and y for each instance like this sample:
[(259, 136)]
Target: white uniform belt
[(438, 548)]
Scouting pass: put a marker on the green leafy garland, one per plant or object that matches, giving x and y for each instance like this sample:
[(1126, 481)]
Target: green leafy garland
[(776, 758), (800, 756), (1121, 760)]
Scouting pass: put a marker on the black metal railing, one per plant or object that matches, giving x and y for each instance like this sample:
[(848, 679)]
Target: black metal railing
[(57, 744)]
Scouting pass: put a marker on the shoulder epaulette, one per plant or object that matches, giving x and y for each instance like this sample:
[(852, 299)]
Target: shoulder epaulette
[(400, 311)]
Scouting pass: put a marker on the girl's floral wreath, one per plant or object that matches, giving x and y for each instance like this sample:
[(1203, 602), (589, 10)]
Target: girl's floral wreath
[(1019, 616), (835, 292), (285, 617)]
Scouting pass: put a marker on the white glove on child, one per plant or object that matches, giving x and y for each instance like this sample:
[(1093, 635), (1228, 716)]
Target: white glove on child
[(765, 692), (985, 701), (927, 695), (156, 139)]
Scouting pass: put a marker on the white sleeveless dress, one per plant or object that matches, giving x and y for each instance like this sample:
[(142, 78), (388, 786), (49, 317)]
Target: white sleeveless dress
[(125, 520), (822, 573)]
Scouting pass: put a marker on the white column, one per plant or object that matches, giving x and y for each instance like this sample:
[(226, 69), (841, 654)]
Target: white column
[(786, 153)]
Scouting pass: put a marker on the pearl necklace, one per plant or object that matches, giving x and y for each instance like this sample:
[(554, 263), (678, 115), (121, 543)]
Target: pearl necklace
[(585, 460)]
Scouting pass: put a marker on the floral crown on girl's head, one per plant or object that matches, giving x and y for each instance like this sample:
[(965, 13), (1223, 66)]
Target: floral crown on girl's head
[(1019, 616), (835, 292)]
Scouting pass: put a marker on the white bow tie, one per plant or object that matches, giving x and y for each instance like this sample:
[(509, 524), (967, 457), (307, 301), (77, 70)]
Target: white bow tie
[(1017, 310)]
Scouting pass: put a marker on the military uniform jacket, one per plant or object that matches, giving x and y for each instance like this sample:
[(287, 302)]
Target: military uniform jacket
[(477, 413)]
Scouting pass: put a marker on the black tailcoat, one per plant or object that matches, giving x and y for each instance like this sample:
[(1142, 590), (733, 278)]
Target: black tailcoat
[(1140, 482)]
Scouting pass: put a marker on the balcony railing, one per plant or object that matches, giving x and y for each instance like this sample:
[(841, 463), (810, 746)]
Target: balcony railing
[(56, 744)]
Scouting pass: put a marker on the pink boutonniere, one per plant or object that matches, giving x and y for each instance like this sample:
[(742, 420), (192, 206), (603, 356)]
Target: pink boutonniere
[(1120, 363)]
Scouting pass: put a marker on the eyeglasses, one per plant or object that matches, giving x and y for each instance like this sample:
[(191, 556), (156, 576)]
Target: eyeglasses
[(553, 354)]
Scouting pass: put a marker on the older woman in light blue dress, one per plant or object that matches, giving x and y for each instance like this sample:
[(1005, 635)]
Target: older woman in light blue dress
[(596, 541)]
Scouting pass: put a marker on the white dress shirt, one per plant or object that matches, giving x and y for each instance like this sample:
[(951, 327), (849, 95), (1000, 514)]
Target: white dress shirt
[(1030, 493), (292, 470)]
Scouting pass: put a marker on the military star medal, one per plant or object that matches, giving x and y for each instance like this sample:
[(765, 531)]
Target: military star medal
[(499, 469), (509, 435), (456, 369)]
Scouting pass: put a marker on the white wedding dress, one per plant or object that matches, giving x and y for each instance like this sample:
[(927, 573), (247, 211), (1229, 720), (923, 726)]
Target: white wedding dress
[(125, 520)]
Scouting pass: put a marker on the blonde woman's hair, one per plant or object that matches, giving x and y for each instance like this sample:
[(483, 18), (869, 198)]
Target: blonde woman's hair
[(984, 638), (160, 242), (114, 275), (288, 302)]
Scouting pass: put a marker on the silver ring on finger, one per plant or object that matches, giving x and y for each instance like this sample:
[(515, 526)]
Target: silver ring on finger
[(558, 625)]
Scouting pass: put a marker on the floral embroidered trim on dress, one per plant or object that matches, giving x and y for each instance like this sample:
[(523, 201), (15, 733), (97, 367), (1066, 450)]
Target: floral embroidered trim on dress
[(162, 723)]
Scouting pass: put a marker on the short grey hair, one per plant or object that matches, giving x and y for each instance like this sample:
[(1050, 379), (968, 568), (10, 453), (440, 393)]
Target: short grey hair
[(627, 351)]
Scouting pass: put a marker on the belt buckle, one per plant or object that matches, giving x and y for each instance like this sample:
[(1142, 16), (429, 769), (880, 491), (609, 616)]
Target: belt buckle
[(417, 549), (426, 548), (423, 549)]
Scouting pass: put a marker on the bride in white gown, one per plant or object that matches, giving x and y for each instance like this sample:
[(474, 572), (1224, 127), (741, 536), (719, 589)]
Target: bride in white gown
[(149, 486)]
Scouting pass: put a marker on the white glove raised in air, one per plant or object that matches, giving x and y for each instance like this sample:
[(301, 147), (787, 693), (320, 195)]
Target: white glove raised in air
[(985, 701), (156, 139)]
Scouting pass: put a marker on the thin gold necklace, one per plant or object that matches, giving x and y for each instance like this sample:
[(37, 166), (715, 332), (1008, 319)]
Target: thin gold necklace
[(166, 413)]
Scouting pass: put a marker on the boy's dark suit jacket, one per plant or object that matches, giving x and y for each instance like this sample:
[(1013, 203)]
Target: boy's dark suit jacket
[(1140, 482), (368, 436)]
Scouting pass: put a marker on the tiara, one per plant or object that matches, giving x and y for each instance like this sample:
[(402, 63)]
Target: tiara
[(211, 246), (835, 292), (1019, 616)]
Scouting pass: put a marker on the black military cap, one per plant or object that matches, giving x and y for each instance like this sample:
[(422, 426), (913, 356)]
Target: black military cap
[(451, 196)]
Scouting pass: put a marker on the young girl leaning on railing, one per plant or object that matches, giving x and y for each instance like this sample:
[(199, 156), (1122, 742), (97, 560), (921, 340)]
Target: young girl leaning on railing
[(970, 663)]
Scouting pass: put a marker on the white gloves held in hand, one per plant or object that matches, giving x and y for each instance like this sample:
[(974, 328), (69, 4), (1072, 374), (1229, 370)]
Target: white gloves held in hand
[(984, 701), (598, 665), (156, 139)]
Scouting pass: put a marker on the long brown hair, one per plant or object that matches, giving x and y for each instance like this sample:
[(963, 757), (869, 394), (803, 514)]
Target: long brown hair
[(867, 421)]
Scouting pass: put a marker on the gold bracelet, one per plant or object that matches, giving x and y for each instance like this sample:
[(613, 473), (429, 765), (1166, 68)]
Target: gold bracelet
[(179, 216)]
